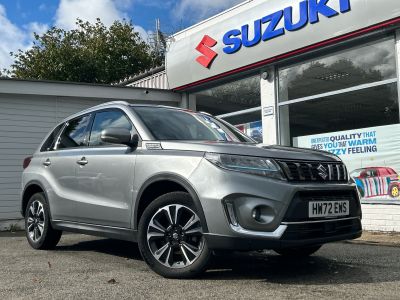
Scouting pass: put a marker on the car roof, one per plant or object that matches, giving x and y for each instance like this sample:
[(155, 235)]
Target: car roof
[(372, 168), (119, 104)]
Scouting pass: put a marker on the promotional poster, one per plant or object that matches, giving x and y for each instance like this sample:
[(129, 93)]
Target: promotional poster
[(371, 156)]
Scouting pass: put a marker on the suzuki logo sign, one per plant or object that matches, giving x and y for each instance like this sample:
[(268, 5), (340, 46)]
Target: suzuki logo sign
[(270, 27), (205, 48)]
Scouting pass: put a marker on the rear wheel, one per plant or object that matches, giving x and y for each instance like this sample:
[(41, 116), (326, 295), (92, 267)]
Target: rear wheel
[(171, 237), (38, 228), (298, 252)]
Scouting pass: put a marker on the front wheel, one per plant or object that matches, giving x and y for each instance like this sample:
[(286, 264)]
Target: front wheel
[(298, 252), (394, 191), (171, 237), (39, 232)]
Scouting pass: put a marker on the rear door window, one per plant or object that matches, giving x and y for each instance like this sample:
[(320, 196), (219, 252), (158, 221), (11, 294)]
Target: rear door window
[(75, 133), (107, 119)]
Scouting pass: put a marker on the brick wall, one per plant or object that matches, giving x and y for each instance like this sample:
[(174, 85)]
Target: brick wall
[(381, 217)]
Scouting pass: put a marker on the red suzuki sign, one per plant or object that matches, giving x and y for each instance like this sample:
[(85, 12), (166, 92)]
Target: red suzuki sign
[(208, 54)]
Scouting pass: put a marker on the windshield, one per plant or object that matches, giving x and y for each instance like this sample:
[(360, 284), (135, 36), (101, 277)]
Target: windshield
[(173, 124)]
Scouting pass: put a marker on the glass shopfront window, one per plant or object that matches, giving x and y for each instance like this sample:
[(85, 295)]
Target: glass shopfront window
[(237, 102), (352, 89), (375, 106), (347, 103), (372, 62)]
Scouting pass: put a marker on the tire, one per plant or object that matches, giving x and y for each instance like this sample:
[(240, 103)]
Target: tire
[(394, 191), (180, 245), (298, 252), (39, 232)]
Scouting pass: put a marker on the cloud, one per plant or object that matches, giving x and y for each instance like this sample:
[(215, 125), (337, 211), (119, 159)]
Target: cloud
[(36, 27), (89, 10), (124, 4), (200, 10), (12, 39)]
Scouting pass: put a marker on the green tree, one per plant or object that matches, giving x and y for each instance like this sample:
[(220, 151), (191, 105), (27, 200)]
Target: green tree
[(90, 53)]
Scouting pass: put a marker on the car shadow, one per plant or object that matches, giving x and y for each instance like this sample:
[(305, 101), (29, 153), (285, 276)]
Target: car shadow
[(273, 268), (265, 266), (119, 248)]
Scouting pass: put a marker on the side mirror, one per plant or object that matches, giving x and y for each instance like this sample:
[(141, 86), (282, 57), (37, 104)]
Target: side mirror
[(120, 136)]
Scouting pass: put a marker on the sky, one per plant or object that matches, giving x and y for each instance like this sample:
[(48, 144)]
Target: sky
[(20, 18)]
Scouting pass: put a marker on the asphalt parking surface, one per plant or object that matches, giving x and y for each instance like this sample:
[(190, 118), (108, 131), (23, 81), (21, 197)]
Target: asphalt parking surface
[(85, 267)]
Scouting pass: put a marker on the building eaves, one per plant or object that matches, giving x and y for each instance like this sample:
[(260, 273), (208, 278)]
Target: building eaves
[(142, 75)]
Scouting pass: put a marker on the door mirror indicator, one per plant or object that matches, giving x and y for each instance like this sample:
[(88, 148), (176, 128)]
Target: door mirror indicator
[(120, 136)]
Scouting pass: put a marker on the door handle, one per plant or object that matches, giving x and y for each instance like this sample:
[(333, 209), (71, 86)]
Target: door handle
[(82, 162), (47, 163)]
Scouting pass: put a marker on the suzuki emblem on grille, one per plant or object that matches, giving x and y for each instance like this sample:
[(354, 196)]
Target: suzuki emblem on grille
[(323, 172)]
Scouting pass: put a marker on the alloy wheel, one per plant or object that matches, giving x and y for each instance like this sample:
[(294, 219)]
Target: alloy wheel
[(36, 221), (175, 236), (395, 192)]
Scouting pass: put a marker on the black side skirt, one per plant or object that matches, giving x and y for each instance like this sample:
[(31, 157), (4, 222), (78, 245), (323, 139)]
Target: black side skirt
[(96, 230)]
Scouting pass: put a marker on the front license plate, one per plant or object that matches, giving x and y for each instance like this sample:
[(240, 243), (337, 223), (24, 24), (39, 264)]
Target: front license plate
[(324, 209)]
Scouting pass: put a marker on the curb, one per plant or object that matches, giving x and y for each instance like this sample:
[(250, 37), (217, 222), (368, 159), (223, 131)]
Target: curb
[(373, 243), (12, 225)]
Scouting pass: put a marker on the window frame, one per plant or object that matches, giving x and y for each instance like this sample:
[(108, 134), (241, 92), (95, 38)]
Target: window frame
[(91, 123)]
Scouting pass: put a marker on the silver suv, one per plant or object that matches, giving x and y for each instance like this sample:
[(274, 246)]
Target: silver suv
[(183, 185)]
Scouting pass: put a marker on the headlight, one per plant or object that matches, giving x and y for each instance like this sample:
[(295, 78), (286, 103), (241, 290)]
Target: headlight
[(247, 164)]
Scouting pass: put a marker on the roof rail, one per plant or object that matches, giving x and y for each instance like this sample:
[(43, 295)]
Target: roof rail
[(111, 102)]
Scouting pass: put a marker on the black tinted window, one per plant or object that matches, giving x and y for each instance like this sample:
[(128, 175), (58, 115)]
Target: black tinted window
[(173, 124), (51, 140), (75, 133), (107, 119)]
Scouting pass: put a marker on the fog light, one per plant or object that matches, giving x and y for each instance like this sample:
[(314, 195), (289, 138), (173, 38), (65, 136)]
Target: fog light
[(231, 213)]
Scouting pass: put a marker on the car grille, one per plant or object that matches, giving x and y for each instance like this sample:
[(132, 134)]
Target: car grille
[(314, 171)]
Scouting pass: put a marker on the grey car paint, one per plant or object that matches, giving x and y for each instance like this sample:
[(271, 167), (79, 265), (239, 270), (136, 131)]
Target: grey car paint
[(101, 197), (105, 193)]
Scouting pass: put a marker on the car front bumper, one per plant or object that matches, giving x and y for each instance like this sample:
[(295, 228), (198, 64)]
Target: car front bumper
[(292, 237), (284, 205)]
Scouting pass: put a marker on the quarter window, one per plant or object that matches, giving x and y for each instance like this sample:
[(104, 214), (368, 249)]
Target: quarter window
[(75, 133), (49, 144), (107, 119)]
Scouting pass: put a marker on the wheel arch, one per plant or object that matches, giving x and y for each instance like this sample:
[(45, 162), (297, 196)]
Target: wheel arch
[(178, 183), (30, 189)]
